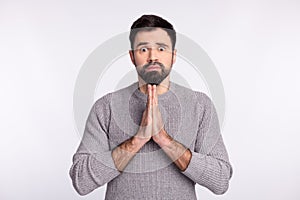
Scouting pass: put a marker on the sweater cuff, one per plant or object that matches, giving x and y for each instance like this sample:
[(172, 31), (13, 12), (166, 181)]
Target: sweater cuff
[(103, 168), (196, 166)]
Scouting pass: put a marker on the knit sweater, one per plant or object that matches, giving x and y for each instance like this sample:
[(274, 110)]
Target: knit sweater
[(189, 117)]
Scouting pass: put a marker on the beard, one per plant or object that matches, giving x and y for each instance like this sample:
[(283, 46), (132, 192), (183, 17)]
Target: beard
[(153, 77)]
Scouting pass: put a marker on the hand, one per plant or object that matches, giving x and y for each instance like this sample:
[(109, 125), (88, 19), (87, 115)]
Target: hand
[(152, 124), (159, 135), (145, 131), (157, 125)]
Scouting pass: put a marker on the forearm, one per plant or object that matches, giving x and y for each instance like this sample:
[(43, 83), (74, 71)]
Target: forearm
[(210, 172), (179, 154), (91, 170), (210, 167), (123, 153)]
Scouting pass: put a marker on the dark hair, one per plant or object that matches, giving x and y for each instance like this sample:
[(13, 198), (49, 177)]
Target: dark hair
[(150, 22)]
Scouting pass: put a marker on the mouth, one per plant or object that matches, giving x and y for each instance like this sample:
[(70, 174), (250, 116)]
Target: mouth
[(153, 68)]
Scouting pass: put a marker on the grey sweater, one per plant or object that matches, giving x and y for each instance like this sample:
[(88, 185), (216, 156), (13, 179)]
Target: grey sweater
[(189, 117)]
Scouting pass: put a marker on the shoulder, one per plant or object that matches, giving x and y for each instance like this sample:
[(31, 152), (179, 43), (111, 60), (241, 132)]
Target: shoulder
[(114, 96), (192, 95)]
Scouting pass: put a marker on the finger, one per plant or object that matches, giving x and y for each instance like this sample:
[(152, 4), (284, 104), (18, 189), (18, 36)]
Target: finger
[(155, 101), (150, 97), (148, 92)]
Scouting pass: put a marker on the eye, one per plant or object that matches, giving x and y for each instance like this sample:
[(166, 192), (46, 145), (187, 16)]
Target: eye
[(161, 48), (143, 49)]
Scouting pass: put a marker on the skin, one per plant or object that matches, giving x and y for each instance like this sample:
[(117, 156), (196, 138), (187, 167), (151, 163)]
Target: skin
[(152, 46)]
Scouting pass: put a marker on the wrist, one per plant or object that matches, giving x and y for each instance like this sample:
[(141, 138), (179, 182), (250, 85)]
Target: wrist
[(139, 141), (162, 138)]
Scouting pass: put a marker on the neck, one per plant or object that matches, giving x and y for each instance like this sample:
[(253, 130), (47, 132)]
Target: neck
[(163, 87)]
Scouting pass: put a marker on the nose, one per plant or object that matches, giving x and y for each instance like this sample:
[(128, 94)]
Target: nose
[(152, 56)]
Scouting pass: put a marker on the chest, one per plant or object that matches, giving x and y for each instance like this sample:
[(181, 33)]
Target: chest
[(180, 121)]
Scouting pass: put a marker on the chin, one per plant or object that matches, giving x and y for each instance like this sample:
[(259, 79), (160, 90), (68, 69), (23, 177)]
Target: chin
[(154, 84)]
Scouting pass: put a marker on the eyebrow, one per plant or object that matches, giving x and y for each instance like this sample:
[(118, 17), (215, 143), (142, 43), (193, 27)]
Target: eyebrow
[(158, 43), (162, 44)]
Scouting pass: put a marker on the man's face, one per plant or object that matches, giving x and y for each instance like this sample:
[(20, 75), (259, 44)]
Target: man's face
[(153, 56)]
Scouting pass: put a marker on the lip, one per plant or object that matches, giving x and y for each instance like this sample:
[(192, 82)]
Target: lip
[(153, 68)]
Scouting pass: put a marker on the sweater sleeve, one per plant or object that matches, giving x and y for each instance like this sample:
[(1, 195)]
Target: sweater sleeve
[(93, 165), (209, 165)]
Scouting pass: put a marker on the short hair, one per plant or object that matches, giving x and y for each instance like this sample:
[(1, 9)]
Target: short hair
[(149, 23)]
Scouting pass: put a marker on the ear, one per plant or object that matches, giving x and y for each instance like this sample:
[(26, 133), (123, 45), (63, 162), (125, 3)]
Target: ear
[(174, 56), (131, 53)]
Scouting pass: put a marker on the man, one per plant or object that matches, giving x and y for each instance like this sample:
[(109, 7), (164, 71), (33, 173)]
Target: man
[(153, 139)]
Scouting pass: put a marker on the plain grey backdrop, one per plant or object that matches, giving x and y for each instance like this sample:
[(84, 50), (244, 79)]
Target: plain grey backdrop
[(254, 44)]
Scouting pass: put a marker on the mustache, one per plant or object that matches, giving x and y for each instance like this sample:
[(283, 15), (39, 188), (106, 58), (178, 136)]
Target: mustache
[(153, 63)]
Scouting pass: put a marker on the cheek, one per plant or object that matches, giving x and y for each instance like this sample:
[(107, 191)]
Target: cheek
[(140, 59), (167, 59)]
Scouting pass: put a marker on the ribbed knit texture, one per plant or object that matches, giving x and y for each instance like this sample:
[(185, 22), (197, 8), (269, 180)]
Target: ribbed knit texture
[(190, 118)]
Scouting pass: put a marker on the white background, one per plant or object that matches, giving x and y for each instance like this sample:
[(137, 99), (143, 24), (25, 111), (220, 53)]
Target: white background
[(255, 46)]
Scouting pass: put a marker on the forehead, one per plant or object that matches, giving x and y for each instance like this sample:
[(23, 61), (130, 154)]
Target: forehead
[(157, 35)]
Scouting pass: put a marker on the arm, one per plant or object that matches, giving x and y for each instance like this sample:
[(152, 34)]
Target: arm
[(210, 170), (93, 165), (123, 153), (179, 154), (209, 165)]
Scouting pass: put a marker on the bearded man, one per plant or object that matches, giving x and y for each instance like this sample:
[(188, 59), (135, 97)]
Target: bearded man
[(153, 139)]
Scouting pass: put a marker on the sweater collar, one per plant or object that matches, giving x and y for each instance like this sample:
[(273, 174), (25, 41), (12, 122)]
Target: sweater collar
[(163, 96)]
